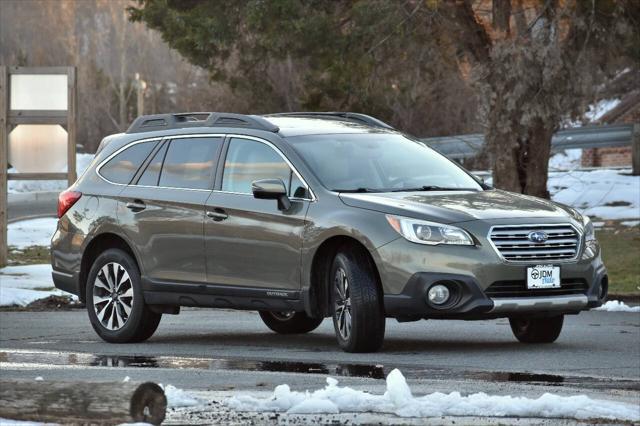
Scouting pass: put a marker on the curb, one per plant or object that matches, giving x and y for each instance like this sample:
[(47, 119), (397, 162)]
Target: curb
[(33, 216)]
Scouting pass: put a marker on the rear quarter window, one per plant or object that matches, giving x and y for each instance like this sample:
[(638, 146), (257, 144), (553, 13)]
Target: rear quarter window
[(124, 165)]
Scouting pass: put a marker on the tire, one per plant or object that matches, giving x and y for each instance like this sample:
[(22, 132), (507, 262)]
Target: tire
[(290, 322), (358, 313), (537, 330), (114, 325)]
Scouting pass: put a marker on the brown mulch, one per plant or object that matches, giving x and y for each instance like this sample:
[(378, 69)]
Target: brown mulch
[(51, 303)]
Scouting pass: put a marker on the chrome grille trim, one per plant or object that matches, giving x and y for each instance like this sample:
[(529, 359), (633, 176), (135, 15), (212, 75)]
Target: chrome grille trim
[(512, 244)]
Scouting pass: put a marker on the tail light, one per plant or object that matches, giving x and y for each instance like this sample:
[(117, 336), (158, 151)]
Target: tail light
[(67, 199)]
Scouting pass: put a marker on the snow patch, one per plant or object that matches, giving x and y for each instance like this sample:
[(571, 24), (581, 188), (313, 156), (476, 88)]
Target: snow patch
[(599, 109), (17, 186), (399, 400), (605, 193), (10, 422), (568, 159), (179, 398), (631, 223), (33, 232), (617, 306), (21, 285)]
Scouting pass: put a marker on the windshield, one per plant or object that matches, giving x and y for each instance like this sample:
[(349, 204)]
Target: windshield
[(379, 162)]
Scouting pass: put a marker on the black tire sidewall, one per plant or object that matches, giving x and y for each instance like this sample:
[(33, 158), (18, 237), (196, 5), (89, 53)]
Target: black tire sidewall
[(132, 326), (360, 276)]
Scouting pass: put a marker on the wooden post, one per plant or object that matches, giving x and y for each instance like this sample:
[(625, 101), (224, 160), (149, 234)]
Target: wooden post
[(4, 152), (635, 149), (71, 126), (82, 403)]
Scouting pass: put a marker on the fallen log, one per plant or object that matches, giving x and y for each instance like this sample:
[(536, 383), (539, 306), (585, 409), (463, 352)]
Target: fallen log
[(75, 402)]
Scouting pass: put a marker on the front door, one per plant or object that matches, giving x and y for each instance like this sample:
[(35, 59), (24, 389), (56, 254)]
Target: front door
[(163, 211), (249, 242)]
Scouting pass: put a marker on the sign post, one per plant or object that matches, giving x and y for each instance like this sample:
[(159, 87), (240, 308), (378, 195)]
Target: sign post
[(38, 108)]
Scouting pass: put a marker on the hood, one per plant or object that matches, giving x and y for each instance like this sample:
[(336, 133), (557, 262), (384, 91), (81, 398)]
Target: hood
[(459, 206)]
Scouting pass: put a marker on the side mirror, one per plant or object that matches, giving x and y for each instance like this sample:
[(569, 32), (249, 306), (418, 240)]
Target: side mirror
[(271, 189)]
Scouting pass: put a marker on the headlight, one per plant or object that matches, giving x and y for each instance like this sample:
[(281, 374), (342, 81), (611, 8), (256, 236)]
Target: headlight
[(591, 246), (431, 233)]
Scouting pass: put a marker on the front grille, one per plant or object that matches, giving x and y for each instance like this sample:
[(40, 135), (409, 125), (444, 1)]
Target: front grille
[(568, 286), (513, 243)]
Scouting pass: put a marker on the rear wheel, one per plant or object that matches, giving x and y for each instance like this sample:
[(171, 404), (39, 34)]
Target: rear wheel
[(537, 330), (115, 302), (290, 322), (358, 315)]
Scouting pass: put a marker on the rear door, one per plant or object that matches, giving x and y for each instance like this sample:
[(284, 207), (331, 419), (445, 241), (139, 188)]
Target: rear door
[(249, 242), (162, 212)]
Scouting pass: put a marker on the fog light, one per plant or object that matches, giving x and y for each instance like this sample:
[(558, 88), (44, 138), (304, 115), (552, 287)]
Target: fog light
[(438, 294)]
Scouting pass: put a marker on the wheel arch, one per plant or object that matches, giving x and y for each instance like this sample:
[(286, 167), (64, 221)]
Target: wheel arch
[(317, 301), (94, 248)]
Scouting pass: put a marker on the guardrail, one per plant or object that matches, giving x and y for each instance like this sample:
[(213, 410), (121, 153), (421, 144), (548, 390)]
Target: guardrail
[(465, 146)]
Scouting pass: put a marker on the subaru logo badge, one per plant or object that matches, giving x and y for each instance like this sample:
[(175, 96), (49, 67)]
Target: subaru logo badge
[(538, 236)]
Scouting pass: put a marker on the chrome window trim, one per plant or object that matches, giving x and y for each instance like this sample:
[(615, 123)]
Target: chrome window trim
[(205, 135), (534, 262), (277, 150), (118, 151)]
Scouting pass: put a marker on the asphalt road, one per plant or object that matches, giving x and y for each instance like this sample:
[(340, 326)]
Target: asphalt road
[(595, 348), (18, 210)]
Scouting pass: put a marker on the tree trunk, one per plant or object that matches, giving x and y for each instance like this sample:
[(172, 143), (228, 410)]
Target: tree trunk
[(537, 160), (82, 403), (504, 148)]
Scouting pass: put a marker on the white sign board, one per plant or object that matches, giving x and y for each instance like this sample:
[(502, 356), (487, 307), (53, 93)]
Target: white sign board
[(39, 92), (38, 148)]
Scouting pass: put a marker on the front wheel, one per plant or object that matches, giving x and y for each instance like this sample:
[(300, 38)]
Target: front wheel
[(537, 330), (115, 302), (290, 322), (358, 314)]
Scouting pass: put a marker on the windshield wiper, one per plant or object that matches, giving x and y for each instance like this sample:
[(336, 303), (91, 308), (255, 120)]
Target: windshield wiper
[(356, 190), (431, 188)]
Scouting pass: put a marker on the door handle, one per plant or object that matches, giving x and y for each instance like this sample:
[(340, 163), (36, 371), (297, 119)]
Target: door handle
[(217, 214), (136, 206)]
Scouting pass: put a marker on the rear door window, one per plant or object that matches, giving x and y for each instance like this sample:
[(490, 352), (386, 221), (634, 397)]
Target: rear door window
[(123, 166), (189, 163)]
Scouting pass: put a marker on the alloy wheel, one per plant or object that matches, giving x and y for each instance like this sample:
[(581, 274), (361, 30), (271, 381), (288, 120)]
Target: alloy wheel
[(113, 296), (342, 304)]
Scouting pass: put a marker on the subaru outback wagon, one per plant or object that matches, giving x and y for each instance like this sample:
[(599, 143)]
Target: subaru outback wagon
[(302, 216)]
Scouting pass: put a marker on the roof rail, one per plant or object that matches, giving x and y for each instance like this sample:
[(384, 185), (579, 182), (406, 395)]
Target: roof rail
[(150, 123), (343, 116)]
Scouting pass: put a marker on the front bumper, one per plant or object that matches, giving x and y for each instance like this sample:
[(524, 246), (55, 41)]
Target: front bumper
[(408, 270)]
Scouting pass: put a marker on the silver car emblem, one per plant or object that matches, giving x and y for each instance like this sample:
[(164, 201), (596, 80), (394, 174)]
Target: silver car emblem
[(538, 236)]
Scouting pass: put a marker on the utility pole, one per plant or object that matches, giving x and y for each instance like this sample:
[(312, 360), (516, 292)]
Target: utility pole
[(635, 149), (141, 86)]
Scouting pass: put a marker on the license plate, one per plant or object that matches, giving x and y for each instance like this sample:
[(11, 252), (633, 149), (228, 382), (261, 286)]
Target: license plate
[(543, 276)]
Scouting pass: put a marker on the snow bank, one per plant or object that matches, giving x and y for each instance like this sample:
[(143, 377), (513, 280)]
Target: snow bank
[(399, 400), (21, 285), (604, 193), (617, 306), (178, 397), (33, 232), (568, 159), (15, 186)]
